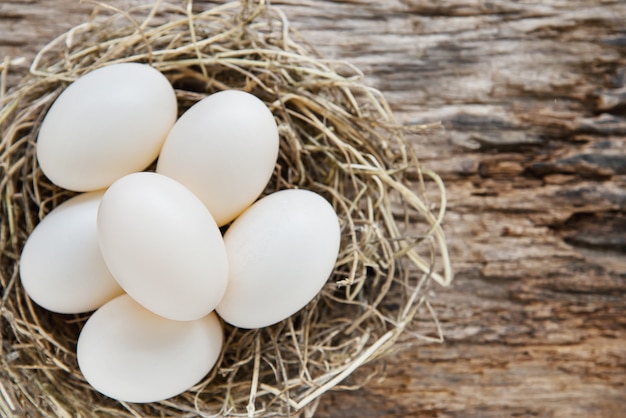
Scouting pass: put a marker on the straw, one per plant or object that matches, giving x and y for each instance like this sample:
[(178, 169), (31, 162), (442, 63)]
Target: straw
[(339, 138)]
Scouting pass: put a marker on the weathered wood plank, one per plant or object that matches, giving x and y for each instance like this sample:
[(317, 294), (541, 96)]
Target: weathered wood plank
[(531, 99)]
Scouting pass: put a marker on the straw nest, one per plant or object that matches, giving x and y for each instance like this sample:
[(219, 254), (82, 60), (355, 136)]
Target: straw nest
[(338, 138)]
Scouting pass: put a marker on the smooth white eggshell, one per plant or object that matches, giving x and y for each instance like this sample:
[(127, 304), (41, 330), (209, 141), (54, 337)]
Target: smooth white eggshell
[(224, 149), (162, 246), (130, 354), (61, 267), (108, 123), (281, 252)]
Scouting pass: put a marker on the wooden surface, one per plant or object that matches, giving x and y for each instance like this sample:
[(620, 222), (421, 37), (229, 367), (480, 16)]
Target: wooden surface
[(532, 100)]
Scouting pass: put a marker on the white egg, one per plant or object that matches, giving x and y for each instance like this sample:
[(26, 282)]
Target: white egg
[(162, 246), (224, 149), (61, 267), (108, 123), (281, 252), (130, 354)]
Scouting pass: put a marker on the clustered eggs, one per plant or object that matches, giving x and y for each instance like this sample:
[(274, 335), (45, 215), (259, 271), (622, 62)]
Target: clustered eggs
[(145, 250)]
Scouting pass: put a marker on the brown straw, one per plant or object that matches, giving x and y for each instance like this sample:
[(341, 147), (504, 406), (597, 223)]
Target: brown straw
[(338, 138)]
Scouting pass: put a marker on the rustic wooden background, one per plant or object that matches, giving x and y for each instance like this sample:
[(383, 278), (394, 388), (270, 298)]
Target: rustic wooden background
[(531, 96)]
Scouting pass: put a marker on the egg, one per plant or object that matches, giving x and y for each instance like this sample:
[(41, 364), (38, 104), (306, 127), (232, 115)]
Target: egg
[(162, 246), (130, 354), (281, 252), (108, 123), (61, 266), (223, 149)]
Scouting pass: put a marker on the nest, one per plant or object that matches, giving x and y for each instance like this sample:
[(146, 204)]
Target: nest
[(338, 138)]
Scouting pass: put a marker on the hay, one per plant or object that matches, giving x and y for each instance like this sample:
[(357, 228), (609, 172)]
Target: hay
[(338, 138)]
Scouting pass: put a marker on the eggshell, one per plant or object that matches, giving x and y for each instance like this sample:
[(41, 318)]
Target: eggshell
[(130, 354), (162, 246), (281, 252), (224, 149), (108, 123), (61, 267)]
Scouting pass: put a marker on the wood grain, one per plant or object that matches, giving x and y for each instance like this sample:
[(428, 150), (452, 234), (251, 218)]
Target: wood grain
[(531, 97)]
